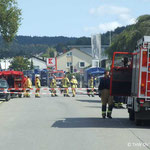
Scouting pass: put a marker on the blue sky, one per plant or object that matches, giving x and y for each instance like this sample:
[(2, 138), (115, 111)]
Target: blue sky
[(76, 18)]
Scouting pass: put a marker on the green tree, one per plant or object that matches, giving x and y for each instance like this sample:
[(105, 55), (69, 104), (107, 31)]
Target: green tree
[(20, 63), (50, 52), (31, 65), (127, 40), (9, 19)]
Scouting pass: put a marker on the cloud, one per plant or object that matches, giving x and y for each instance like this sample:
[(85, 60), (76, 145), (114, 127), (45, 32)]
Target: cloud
[(122, 13), (118, 16), (102, 28), (128, 19), (109, 26), (109, 10)]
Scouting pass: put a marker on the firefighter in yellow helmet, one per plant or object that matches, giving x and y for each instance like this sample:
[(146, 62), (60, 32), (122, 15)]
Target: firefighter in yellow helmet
[(53, 85), (28, 86), (65, 85), (74, 84), (37, 86), (91, 85)]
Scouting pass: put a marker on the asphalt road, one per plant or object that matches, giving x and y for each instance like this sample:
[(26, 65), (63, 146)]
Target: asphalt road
[(61, 123)]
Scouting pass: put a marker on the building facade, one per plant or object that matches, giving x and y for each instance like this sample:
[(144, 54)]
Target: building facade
[(75, 58)]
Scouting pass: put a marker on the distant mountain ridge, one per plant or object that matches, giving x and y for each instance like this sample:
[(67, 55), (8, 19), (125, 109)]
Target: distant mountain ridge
[(32, 45)]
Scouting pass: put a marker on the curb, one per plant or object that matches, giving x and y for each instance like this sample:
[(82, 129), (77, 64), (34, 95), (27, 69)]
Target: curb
[(1, 102)]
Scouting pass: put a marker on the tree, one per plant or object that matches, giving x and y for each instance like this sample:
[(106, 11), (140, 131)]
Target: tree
[(9, 19), (31, 65), (50, 52), (20, 63), (127, 40)]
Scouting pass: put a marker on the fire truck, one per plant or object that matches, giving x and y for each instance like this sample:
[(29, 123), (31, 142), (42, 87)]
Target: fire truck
[(59, 74), (132, 79)]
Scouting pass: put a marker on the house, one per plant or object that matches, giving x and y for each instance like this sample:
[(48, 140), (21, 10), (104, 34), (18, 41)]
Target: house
[(77, 58), (38, 63)]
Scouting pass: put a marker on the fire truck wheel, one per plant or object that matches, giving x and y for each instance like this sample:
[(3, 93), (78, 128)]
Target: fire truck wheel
[(131, 115), (19, 95), (7, 97), (138, 122)]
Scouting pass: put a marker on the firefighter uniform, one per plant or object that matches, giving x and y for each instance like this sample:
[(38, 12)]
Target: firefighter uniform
[(24, 86), (74, 84), (91, 85), (28, 86), (105, 95), (65, 85), (37, 86), (53, 86)]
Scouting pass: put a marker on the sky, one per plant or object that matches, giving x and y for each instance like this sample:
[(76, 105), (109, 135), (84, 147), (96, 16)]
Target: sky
[(77, 18)]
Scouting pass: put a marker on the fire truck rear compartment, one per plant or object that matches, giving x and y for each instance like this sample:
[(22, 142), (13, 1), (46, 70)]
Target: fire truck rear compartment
[(121, 83)]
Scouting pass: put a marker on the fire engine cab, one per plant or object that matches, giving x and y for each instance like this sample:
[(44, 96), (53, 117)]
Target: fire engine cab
[(132, 80)]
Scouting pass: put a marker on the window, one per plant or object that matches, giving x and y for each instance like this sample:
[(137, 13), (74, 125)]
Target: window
[(81, 64), (69, 64), (69, 54)]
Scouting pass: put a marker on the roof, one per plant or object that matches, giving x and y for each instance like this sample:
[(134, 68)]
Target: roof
[(83, 48), (88, 51), (85, 51), (87, 48)]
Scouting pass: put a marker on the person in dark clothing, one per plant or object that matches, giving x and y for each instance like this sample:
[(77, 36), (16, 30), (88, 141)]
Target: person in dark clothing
[(104, 93)]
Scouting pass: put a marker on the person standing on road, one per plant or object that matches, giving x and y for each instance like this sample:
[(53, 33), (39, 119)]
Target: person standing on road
[(37, 86), (53, 86), (28, 86), (24, 86), (104, 93), (65, 85), (74, 84), (91, 85)]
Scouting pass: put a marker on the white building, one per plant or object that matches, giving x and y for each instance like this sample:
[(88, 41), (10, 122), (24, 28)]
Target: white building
[(5, 63), (38, 63)]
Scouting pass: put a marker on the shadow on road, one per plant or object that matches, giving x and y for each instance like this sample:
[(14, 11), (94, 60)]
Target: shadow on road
[(89, 101), (94, 107), (97, 123)]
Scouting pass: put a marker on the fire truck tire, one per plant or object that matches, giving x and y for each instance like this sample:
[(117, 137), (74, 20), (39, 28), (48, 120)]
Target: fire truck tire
[(131, 115), (19, 95), (138, 122), (7, 97)]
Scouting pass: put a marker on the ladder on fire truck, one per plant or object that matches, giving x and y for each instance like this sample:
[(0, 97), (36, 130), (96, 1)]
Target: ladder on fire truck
[(147, 72)]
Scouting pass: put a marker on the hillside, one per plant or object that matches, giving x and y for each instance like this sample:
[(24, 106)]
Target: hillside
[(27, 45), (127, 40)]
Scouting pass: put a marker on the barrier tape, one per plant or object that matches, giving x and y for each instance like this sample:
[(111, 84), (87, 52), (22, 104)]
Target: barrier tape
[(21, 89), (49, 92)]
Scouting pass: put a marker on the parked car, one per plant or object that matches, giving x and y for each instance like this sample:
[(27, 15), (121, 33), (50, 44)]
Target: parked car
[(4, 89)]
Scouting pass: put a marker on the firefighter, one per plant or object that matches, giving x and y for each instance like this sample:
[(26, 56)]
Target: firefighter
[(65, 85), (74, 84), (28, 86), (53, 86), (105, 95), (37, 86), (91, 85), (24, 86)]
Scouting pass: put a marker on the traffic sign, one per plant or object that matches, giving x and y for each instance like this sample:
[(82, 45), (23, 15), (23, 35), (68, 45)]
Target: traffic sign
[(52, 62)]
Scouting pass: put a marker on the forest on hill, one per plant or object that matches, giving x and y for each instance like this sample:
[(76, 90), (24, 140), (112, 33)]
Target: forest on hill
[(126, 41), (123, 39), (28, 45)]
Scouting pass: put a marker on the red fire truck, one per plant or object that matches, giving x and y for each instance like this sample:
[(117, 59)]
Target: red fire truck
[(59, 74), (15, 81), (132, 79)]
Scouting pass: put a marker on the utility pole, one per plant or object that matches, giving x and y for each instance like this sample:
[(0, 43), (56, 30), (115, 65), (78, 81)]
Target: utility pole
[(110, 38)]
